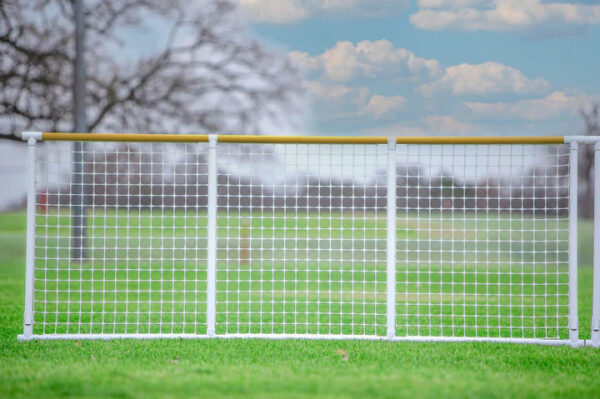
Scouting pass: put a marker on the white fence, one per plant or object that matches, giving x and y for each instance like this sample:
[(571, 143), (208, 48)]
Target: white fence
[(469, 239)]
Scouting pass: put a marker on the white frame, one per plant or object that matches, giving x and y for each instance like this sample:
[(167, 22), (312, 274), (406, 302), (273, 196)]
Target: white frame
[(33, 137)]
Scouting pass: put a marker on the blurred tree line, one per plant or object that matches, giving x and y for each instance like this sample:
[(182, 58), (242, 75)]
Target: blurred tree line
[(130, 175)]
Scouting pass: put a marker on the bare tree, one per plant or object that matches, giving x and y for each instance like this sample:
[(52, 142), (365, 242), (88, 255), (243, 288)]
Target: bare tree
[(202, 74), (591, 118)]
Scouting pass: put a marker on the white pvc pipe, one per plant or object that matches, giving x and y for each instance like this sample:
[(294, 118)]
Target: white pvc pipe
[(596, 278), (25, 136), (391, 239), (330, 337), (212, 236), (30, 242), (582, 139), (573, 197)]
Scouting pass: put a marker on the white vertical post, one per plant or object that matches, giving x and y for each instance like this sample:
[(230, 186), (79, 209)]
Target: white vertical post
[(211, 300), (573, 197), (596, 279), (30, 243), (391, 238)]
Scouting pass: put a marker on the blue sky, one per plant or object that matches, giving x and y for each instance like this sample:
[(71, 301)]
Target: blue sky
[(447, 67)]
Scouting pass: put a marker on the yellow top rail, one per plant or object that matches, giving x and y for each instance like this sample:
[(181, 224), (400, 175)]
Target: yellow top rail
[(164, 138), (222, 138), (482, 140)]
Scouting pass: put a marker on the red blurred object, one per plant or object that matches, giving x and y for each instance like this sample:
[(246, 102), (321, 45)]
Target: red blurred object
[(43, 201)]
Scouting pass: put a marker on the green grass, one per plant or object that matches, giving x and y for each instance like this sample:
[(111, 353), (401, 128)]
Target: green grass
[(288, 369)]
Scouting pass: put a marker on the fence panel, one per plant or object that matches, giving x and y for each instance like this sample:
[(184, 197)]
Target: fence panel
[(301, 239), (144, 265), (364, 238), (483, 241)]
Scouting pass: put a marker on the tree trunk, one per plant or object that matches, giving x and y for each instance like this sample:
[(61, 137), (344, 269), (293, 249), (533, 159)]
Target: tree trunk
[(586, 201), (78, 240)]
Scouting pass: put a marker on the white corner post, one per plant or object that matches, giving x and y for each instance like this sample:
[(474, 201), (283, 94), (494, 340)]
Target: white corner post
[(211, 292), (573, 197), (596, 278), (391, 239), (30, 243)]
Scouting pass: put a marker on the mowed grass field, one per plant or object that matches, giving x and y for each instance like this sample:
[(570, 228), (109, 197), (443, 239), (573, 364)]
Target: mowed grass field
[(295, 368)]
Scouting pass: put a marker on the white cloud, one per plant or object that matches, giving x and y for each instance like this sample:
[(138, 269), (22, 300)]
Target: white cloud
[(337, 101), (432, 125), (304, 61), (550, 107), (453, 4), (371, 59), (397, 129), (483, 79), (368, 8), (342, 102), (291, 11), (502, 15), (333, 92), (380, 106), (274, 11), (447, 125)]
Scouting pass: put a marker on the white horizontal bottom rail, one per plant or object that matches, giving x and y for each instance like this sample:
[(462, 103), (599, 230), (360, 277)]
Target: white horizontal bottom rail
[(331, 337)]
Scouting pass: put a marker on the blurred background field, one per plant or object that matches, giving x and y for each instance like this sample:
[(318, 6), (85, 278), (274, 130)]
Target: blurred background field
[(298, 272)]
